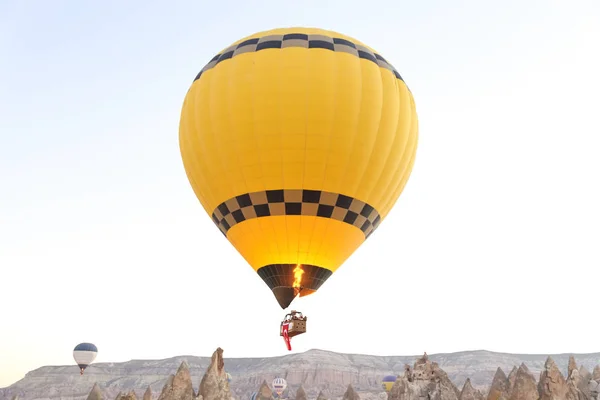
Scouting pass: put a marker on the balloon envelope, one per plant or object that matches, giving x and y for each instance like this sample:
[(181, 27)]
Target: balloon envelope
[(387, 382), (84, 354), (298, 142), (279, 385)]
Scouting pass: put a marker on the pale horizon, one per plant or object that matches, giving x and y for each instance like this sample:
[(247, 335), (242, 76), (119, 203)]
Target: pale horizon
[(494, 243)]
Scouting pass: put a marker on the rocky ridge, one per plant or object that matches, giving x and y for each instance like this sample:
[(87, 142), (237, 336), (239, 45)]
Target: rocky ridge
[(326, 374)]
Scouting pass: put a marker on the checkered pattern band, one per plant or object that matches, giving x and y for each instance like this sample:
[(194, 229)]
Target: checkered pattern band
[(296, 202), (301, 40)]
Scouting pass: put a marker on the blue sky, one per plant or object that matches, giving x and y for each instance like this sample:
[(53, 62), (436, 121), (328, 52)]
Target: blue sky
[(495, 240)]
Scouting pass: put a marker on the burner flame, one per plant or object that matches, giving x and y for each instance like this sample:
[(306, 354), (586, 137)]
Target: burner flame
[(298, 272)]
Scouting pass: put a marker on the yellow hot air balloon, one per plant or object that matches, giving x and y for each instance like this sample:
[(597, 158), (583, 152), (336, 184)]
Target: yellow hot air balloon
[(298, 142), (387, 382)]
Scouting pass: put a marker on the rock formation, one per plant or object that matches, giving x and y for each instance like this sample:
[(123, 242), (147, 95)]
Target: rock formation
[(572, 366), (499, 390), (424, 380), (321, 396), (95, 393), (468, 392), (594, 388), (586, 375), (301, 394), (511, 379), (179, 386), (264, 392), (552, 385), (148, 394), (578, 389), (596, 373), (525, 387), (350, 394), (128, 396), (584, 385), (214, 385)]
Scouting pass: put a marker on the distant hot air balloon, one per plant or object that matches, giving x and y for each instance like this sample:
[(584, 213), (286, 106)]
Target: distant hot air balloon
[(279, 385), (84, 354), (298, 142), (387, 382)]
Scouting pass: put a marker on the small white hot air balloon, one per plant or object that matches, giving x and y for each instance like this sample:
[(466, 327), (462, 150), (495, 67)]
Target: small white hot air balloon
[(279, 385), (84, 354)]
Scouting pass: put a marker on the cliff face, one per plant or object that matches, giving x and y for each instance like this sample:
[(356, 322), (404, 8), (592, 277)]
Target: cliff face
[(315, 370)]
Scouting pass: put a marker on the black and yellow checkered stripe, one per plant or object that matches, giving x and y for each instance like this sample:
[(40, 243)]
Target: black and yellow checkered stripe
[(296, 202), (303, 40)]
